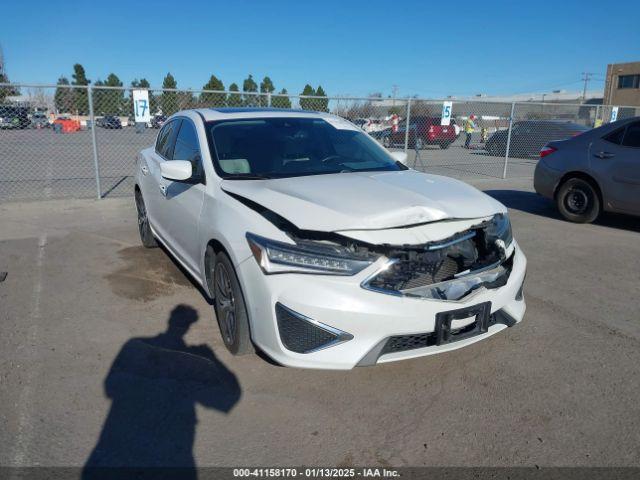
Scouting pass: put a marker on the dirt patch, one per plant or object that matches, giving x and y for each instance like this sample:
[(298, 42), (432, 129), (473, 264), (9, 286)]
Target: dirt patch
[(147, 274)]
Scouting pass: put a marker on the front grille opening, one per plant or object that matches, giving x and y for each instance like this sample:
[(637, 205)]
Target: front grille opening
[(414, 269), (450, 272), (301, 335)]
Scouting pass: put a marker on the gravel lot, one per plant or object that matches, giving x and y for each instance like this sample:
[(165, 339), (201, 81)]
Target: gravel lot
[(559, 389), (39, 164)]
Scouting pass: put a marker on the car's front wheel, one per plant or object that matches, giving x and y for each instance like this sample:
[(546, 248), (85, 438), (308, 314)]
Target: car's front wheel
[(231, 310), (146, 235), (578, 201)]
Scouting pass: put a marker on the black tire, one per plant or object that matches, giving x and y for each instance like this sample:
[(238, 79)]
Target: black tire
[(231, 310), (146, 235), (444, 146), (578, 201)]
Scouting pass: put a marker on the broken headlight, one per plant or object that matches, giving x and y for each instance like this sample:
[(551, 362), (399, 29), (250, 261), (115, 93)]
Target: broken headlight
[(306, 257), (499, 228)]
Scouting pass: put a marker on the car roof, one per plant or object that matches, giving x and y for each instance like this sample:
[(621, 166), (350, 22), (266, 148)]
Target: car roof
[(223, 113)]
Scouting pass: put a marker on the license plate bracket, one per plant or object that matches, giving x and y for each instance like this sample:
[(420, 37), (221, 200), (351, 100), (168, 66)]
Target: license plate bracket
[(446, 334)]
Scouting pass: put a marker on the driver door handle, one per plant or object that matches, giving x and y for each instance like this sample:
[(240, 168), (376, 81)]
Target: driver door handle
[(604, 155)]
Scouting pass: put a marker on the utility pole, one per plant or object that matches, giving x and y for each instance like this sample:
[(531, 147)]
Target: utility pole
[(1, 61), (394, 90), (586, 76)]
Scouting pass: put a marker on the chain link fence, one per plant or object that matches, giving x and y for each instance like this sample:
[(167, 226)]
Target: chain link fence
[(64, 141)]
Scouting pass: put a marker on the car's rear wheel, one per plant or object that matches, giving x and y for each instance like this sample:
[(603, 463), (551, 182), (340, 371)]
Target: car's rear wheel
[(146, 235), (578, 201), (445, 145), (231, 310)]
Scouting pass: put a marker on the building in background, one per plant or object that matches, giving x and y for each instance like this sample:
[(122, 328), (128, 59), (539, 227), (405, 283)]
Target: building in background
[(622, 84)]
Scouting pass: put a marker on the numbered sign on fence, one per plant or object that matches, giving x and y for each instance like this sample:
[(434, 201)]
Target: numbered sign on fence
[(141, 107), (614, 114), (446, 113)]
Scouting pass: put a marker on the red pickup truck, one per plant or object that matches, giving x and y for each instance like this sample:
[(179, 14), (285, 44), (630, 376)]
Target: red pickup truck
[(423, 131)]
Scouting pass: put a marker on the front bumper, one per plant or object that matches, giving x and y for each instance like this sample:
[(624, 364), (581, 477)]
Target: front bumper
[(369, 318)]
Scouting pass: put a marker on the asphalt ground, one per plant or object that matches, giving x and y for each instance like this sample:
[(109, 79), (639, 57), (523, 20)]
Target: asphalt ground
[(40, 164), (89, 367)]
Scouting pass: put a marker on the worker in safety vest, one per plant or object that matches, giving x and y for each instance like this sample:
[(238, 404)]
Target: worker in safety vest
[(469, 128)]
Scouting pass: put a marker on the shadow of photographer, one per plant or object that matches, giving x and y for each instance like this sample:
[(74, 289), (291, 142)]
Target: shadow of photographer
[(154, 384)]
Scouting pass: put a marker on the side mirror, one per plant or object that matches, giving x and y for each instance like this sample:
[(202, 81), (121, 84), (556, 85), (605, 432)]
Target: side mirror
[(400, 157), (178, 170)]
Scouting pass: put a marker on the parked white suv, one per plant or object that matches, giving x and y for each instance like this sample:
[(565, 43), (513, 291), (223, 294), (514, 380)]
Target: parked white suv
[(319, 246)]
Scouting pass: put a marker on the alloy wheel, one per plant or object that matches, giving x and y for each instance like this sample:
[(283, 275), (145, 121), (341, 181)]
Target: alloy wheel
[(226, 303), (143, 220)]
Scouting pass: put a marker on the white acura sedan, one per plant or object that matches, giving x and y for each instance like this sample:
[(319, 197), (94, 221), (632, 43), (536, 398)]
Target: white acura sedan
[(319, 246)]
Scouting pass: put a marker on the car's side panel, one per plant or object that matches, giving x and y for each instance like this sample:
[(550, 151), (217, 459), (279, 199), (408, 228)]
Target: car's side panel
[(183, 201), (617, 170)]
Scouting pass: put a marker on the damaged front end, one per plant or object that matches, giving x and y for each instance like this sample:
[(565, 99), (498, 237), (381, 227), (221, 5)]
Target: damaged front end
[(446, 269), (449, 269)]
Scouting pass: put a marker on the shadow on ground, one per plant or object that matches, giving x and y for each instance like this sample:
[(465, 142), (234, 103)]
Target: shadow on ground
[(155, 384), (531, 202)]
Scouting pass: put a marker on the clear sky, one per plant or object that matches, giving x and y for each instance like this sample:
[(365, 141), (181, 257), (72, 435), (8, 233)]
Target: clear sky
[(425, 47)]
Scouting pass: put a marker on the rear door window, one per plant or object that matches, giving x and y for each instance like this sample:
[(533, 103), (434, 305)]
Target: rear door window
[(615, 136), (632, 136)]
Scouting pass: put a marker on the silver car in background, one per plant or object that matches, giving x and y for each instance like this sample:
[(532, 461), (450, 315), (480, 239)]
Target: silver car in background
[(595, 171)]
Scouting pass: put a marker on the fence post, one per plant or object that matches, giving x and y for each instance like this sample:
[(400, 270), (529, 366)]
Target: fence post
[(92, 118), (595, 120), (268, 99), (406, 131), (506, 152)]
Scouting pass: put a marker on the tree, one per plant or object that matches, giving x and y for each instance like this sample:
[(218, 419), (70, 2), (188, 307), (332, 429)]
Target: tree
[(209, 99), (99, 103), (186, 100), (307, 103), (7, 91), (322, 104), (234, 99), (249, 85), (115, 97), (81, 99), (266, 87), (169, 100), (63, 99), (108, 101), (281, 100)]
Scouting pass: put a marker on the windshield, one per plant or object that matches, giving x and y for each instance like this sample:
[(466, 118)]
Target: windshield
[(288, 147)]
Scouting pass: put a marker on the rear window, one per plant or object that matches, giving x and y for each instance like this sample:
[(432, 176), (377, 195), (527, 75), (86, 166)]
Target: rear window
[(632, 135), (615, 136)]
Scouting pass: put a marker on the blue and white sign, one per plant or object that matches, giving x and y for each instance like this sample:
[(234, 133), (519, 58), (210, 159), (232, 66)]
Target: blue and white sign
[(446, 113), (141, 107), (614, 114)]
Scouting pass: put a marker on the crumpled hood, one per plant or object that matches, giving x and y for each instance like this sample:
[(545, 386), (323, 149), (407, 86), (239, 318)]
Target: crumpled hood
[(366, 200)]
